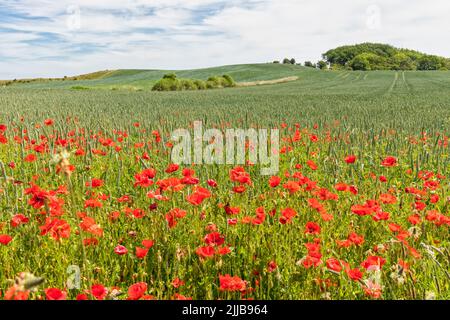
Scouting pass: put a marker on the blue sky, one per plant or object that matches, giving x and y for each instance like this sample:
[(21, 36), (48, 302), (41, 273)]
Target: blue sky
[(52, 38)]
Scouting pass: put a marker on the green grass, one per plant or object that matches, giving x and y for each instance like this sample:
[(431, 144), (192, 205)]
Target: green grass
[(145, 79), (360, 100)]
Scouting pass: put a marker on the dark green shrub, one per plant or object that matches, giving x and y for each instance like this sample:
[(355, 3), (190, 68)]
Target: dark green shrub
[(79, 88), (167, 84), (170, 83), (229, 81), (188, 84), (201, 85), (171, 76)]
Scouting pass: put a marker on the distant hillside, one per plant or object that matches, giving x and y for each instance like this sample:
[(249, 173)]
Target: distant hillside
[(87, 76), (145, 79), (376, 56)]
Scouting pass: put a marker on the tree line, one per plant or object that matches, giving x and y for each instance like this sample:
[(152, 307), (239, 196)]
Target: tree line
[(375, 56)]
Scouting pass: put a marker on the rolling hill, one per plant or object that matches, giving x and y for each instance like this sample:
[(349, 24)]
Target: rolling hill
[(144, 79)]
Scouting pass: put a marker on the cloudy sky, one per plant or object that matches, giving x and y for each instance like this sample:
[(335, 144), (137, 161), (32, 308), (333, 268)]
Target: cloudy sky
[(68, 37)]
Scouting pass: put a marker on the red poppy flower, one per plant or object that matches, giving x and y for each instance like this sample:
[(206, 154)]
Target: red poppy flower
[(414, 219), (223, 251), (205, 252), (387, 198), (30, 158), (274, 181), (198, 195), (3, 139), (5, 239), (137, 291), (212, 183), (56, 228), (231, 284), (18, 220), (389, 162), (177, 282), (214, 239), (350, 159), (148, 243), (312, 228), (172, 168), (141, 253), (291, 186), (99, 291), (312, 165), (81, 297), (373, 261), (55, 294), (355, 274), (95, 183), (238, 174)]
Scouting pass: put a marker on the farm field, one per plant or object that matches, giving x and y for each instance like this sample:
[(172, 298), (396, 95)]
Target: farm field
[(92, 206)]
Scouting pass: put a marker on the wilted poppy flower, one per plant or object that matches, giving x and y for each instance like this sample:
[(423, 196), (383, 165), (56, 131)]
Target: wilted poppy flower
[(272, 266), (334, 265), (120, 250)]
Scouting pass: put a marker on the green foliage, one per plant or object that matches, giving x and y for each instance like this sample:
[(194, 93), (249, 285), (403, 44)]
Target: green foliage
[(201, 85), (322, 65), (375, 56), (170, 82), (432, 63), (229, 81), (171, 76), (167, 84), (79, 88), (309, 64)]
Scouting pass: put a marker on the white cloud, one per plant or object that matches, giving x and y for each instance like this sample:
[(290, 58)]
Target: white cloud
[(198, 33)]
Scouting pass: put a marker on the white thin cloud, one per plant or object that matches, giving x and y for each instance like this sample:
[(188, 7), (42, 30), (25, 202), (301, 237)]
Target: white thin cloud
[(49, 38)]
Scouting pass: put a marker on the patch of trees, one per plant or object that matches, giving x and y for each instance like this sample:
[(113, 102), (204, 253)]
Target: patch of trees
[(170, 82), (375, 56)]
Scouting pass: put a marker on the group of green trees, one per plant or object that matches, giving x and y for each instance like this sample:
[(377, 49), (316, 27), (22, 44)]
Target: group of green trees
[(375, 56), (170, 82), (320, 64), (286, 61)]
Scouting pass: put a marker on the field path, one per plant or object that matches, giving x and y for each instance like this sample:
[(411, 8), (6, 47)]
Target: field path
[(266, 82), (391, 88), (405, 81)]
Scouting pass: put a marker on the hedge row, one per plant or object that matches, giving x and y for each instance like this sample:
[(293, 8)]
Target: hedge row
[(170, 82)]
